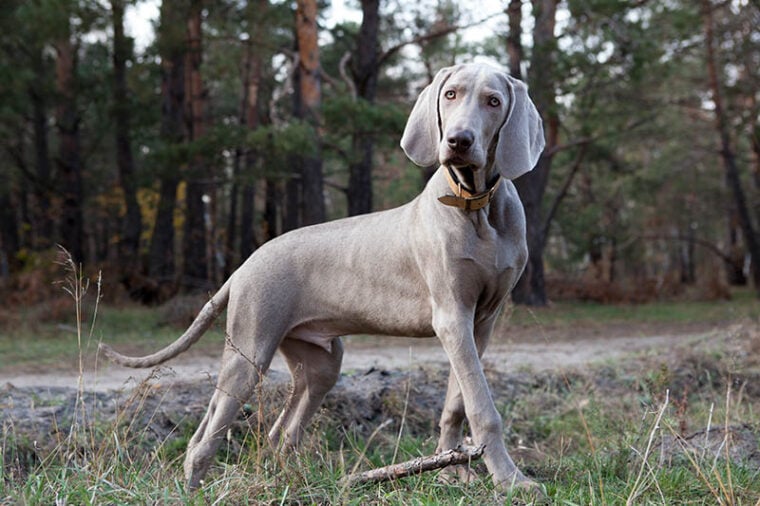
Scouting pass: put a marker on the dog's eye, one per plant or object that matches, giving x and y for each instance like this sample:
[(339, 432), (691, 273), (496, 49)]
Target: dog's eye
[(450, 94), (494, 102)]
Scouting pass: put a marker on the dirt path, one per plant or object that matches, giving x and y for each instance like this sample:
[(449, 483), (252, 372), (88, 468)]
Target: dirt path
[(388, 353)]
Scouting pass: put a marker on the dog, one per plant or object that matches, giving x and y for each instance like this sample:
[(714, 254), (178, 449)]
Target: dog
[(440, 266)]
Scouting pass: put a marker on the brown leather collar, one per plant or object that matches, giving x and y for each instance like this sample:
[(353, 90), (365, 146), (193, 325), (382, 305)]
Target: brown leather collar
[(464, 199)]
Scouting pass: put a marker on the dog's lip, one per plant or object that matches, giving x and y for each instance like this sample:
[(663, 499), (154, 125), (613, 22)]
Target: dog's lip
[(458, 163)]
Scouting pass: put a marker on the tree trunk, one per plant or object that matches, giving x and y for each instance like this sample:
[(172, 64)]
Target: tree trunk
[(42, 218), (271, 206), (69, 155), (233, 254), (252, 118), (514, 42), (360, 175), (756, 150), (247, 226), (726, 149), (365, 69), (230, 254), (686, 257), (313, 210), (9, 237), (531, 288), (196, 242), (161, 266), (161, 257), (755, 142), (132, 226), (736, 249), (291, 215)]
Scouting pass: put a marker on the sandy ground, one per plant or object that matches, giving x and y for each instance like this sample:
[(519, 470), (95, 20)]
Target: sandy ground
[(391, 353)]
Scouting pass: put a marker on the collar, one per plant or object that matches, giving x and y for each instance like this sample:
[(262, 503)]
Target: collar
[(464, 199)]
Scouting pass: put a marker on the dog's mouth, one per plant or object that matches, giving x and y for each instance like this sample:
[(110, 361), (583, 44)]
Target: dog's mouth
[(458, 163)]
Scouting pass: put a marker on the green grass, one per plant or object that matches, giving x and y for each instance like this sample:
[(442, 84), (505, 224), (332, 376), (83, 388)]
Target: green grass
[(43, 345), (585, 443), (743, 305)]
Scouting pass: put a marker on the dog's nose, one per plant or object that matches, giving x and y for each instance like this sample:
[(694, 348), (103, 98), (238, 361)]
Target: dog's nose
[(461, 141)]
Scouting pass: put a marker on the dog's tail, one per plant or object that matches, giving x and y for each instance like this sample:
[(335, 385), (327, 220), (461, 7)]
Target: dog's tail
[(199, 326)]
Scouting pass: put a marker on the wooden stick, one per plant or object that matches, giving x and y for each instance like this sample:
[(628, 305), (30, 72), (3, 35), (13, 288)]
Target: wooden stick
[(460, 455)]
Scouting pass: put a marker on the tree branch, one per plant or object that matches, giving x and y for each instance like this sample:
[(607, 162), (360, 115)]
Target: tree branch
[(699, 242), (461, 455), (442, 32), (582, 141), (343, 69), (565, 188)]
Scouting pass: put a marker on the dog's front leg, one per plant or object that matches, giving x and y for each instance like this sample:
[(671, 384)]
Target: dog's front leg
[(455, 329), (453, 413)]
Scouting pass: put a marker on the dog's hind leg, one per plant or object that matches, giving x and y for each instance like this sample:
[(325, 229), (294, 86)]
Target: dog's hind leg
[(237, 382), (314, 372)]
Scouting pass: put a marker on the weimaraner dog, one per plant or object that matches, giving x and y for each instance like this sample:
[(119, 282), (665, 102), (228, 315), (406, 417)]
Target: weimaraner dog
[(441, 265)]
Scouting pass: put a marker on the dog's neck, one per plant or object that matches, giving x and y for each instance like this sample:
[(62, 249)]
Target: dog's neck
[(473, 190)]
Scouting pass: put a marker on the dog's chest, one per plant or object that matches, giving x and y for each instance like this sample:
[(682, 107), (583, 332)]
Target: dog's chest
[(489, 249)]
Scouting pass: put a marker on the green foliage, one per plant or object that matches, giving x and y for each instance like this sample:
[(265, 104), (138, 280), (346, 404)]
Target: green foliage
[(344, 116), (637, 144)]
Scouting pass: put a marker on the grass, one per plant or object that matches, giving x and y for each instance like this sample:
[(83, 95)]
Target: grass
[(585, 445), (48, 344), (607, 435), (743, 305)]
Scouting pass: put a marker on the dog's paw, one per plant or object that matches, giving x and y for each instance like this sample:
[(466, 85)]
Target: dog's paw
[(524, 491), (457, 475)]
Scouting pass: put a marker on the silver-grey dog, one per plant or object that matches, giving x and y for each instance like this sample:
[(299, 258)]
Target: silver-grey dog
[(441, 265)]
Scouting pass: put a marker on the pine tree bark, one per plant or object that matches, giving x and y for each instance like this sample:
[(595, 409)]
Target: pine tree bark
[(9, 236), (531, 288), (364, 68), (132, 225), (196, 242), (292, 201), (727, 153), (271, 207), (313, 203), (514, 41), (161, 265), (71, 226), (245, 161), (252, 116), (43, 229)]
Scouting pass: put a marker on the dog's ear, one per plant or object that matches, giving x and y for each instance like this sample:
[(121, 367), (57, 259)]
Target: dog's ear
[(521, 138), (422, 133)]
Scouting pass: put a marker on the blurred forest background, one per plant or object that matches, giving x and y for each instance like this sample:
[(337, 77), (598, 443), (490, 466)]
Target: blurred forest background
[(164, 163)]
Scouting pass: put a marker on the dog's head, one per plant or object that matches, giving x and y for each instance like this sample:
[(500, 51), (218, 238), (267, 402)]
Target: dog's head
[(475, 116)]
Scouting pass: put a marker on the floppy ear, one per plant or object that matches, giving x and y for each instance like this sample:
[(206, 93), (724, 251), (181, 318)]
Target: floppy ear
[(521, 138), (422, 132)]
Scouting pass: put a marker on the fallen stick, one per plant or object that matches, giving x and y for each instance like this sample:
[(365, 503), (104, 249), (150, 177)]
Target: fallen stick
[(460, 455)]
